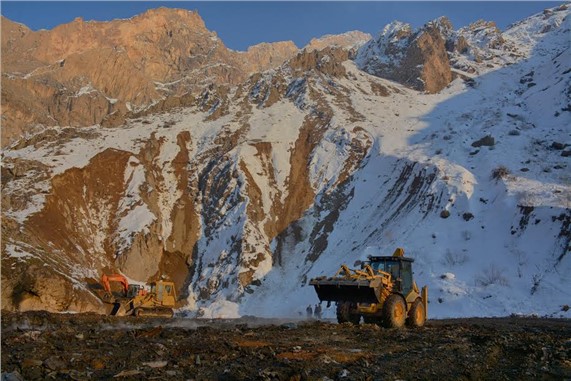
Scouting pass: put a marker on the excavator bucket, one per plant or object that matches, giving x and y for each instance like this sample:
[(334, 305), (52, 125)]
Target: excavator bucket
[(337, 290)]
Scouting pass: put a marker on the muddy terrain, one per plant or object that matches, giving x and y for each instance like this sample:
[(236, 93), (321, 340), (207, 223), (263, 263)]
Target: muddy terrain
[(91, 347)]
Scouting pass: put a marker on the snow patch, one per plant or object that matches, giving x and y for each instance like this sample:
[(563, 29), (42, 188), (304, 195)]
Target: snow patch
[(85, 90), (134, 214), (17, 252), (220, 309)]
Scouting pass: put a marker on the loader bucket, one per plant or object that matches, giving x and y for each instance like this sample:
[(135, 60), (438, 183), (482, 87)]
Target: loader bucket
[(357, 291)]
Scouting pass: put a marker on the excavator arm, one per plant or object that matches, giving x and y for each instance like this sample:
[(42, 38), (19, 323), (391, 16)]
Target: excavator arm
[(106, 279)]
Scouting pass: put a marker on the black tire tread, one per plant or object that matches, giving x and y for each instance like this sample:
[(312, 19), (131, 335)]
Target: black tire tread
[(344, 314), (389, 320), (412, 320)]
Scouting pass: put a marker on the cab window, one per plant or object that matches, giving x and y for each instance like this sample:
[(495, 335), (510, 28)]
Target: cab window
[(406, 276), (393, 269), (381, 266), (390, 267)]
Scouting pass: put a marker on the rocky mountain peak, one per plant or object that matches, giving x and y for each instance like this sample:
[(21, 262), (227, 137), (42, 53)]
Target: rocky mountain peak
[(443, 24), (415, 58), (422, 59), (190, 19), (394, 32), (328, 61), (11, 32), (347, 40), (9, 25), (485, 34), (265, 55), (482, 24), (85, 73)]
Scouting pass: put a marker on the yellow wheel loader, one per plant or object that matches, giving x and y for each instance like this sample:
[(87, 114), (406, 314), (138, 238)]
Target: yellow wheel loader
[(382, 292)]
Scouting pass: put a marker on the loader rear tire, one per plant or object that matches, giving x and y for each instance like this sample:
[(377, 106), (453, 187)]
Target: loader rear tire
[(394, 312), (344, 314), (416, 316)]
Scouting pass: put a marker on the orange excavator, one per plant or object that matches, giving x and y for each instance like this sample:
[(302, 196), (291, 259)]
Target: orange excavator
[(154, 299), (105, 281)]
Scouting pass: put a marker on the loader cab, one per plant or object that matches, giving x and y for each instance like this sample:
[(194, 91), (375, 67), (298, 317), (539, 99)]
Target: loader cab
[(400, 269)]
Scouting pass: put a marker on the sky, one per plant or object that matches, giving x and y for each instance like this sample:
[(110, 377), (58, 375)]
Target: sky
[(242, 24)]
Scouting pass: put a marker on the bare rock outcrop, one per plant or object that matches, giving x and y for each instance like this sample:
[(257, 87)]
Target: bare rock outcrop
[(347, 40), (265, 56), (417, 59), (86, 72), (157, 204), (328, 61), (479, 46)]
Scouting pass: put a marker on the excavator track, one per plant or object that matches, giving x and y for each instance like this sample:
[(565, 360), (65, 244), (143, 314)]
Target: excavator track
[(154, 312)]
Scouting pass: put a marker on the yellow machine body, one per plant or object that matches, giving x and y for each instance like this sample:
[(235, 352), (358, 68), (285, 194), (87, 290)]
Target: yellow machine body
[(382, 291), (153, 299)]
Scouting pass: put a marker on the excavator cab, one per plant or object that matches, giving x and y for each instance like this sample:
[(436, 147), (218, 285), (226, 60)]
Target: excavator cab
[(134, 290)]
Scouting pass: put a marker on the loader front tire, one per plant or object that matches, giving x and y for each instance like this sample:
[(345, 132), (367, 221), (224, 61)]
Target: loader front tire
[(416, 316), (394, 312), (344, 314)]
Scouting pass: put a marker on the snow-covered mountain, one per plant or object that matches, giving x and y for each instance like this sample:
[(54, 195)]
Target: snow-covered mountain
[(417, 59), (245, 192)]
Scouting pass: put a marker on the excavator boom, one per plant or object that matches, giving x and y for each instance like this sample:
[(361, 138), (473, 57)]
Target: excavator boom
[(106, 279)]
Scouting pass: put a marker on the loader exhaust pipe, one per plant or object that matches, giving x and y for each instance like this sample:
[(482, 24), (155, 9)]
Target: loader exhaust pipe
[(424, 295)]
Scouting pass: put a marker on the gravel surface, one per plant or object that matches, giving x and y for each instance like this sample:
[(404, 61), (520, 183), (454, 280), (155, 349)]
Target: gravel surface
[(39, 345)]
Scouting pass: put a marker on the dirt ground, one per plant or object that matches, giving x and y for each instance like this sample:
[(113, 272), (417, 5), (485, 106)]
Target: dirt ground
[(39, 345)]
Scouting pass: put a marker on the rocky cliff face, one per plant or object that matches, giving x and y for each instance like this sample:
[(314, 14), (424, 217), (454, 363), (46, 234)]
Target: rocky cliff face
[(238, 178), (417, 59), (242, 192), (429, 58), (84, 73)]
